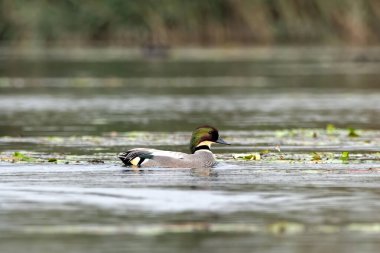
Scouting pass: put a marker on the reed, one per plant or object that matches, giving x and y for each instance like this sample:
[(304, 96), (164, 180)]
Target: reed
[(189, 23)]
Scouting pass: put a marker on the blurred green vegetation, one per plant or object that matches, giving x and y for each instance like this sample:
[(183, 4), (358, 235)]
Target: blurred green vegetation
[(189, 23)]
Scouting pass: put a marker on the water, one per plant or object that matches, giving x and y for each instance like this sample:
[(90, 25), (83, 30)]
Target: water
[(82, 112)]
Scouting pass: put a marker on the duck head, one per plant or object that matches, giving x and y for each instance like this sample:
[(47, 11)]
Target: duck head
[(204, 136)]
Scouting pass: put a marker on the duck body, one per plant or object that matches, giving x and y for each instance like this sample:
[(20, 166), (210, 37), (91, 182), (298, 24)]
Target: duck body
[(159, 158), (201, 156)]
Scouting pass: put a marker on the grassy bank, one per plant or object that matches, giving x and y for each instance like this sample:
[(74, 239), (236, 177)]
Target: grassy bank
[(189, 23)]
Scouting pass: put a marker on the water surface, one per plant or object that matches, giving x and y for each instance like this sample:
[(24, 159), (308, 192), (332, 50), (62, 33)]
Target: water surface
[(82, 112)]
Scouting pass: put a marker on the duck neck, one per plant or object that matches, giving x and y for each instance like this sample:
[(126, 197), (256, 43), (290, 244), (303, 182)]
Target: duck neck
[(202, 147)]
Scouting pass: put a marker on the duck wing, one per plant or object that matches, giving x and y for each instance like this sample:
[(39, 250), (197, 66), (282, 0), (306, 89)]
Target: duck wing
[(139, 155)]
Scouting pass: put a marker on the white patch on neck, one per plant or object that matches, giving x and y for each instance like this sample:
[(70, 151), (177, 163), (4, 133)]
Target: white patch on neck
[(205, 143), (203, 150)]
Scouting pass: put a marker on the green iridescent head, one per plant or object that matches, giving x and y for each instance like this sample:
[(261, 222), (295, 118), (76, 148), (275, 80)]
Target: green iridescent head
[(205, 136)]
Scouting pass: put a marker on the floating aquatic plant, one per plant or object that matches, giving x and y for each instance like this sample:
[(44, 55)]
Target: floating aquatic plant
[(247, 157), (17, 156), (345, 156), (352, 132), (330, 129), (316, 156)]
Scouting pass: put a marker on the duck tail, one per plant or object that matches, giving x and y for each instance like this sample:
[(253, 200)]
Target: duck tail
[(134, 157)]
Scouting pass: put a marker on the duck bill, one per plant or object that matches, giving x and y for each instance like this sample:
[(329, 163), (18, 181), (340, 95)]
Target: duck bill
[(221, 141)]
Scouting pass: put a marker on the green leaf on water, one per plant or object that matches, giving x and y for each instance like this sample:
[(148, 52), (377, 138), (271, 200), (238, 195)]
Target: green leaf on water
[(330, 129), (247, 157), (315, 156), (17, 156), (345, 156), (52, 160), (352, 132)]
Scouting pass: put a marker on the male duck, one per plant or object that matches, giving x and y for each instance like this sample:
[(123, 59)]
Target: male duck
[(200, 157)]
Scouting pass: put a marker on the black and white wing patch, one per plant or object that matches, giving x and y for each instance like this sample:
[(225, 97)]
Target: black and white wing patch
[(135, 157), (138, 156)]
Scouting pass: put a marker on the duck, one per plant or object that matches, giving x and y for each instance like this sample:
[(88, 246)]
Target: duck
[(200, 157)]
